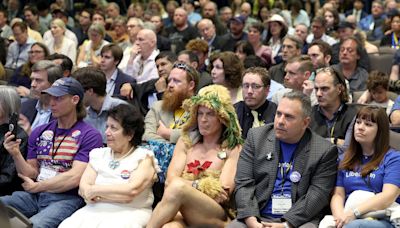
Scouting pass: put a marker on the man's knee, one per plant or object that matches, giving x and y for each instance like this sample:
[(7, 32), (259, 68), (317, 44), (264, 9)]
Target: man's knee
[(236, 224)]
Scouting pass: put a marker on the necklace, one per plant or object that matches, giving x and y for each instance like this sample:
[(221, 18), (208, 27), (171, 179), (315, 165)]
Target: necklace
[(115, 163)]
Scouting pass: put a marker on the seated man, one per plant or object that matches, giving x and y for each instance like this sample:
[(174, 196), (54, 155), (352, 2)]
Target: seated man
[(255, 110), (35, 111), (332, 115), (111, 55), (201, 175), (285, 171), (97, 101), (164, 120), (58, 153), (349, 54)]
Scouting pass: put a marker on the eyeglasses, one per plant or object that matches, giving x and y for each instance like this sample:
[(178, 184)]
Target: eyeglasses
[(253, 86), (34, 52)]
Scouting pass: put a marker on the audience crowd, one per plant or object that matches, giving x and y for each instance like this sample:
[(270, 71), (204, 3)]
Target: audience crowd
[(164, 113)]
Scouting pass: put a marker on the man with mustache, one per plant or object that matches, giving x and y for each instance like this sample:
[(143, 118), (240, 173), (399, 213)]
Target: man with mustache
[(285, 172), (165, 118)]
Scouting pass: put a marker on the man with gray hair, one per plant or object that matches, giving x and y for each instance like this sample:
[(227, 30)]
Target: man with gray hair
[(285, 171), (36, 111)]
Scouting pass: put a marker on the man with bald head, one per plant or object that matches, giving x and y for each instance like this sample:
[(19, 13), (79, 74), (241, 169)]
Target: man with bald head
[(210, 12), (207, 32), (141, 63), (245, 10), (181, 31)]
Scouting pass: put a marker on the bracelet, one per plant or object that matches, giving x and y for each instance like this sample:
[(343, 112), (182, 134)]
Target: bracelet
[(195, 184)]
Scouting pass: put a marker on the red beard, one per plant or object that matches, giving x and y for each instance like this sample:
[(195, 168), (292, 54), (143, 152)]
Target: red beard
[(173, 100)]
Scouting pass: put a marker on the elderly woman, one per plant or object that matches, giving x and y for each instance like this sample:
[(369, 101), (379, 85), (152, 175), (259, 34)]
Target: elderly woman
[(89, 51), (368, 178), (200, 178), (9, 103), (116, 184), (60, 43), (226, 70), (21, 77)]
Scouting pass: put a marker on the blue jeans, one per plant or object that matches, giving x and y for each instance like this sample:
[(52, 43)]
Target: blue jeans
[(364, 223), (44, 209)]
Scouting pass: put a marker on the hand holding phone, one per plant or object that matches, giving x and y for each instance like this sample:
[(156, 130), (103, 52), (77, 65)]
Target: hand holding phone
[(13, 125)]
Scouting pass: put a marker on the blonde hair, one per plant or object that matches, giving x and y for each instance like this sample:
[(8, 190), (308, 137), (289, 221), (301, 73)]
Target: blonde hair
[(59, 23)]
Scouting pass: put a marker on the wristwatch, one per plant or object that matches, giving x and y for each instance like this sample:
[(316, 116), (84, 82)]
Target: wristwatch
[(357, 213)]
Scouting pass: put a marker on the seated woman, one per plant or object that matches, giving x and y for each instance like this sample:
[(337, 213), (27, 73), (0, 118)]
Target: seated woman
[(200, 178), (368, 165), (21, 77), (58, 42), (89, 51), (116, 184), (226, 69), (9, 103)]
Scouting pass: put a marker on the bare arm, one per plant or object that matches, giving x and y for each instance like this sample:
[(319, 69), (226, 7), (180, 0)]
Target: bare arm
[(337, 201), (140, 179), (178, 163), (228, 173), (394, 73), (64, 181), (381, 200), (395, 117), (81, 56)]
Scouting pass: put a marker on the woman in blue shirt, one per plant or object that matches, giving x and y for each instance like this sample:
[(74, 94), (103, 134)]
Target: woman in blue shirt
[(368, 165)]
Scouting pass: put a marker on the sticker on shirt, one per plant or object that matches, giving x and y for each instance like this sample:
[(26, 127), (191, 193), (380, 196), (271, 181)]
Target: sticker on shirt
[(281, 204), (75, 134), (125, 174), (46, 173), (46, 138)]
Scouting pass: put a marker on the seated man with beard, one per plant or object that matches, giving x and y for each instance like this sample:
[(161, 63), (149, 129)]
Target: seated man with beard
[(164, 120)]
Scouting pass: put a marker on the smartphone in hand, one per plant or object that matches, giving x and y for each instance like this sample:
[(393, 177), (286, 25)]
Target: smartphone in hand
[(13, 125)]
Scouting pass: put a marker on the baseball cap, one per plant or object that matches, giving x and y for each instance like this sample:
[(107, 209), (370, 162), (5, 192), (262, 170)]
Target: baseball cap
[(64, 86), (240, 19)]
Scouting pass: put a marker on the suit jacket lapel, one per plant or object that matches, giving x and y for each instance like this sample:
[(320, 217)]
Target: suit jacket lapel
[(272, 146)]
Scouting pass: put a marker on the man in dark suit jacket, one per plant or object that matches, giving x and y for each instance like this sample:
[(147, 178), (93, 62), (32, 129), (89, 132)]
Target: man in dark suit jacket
[(255, 110), (35, 111), (285, 172), (111, 55)]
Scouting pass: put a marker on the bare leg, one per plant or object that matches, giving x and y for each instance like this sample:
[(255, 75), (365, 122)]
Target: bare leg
[(195, 206)]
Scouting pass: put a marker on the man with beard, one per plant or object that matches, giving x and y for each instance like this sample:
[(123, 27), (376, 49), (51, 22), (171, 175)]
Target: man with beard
[(35, 111), (236, 33), (181, 31), (166, 117)]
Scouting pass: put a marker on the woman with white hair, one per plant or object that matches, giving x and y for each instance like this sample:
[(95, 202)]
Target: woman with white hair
[(59, 43)]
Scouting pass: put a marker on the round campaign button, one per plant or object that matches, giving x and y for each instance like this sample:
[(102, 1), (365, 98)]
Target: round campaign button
[(295, 177)]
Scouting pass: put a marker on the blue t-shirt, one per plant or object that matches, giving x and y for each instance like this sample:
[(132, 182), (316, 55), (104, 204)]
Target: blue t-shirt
[(282, 184), (386, 173)]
